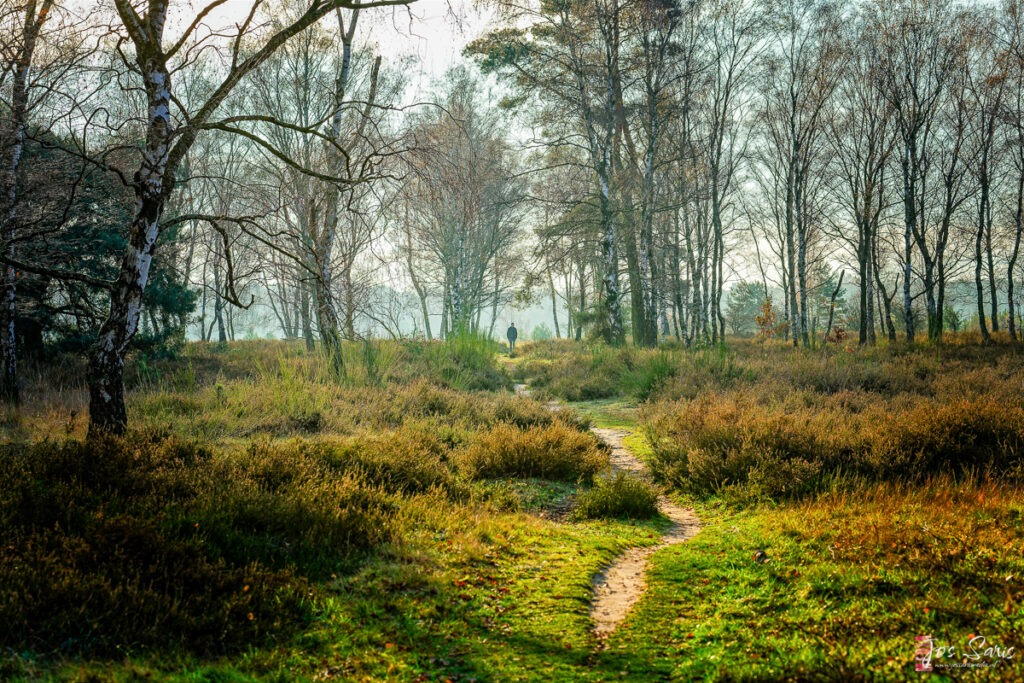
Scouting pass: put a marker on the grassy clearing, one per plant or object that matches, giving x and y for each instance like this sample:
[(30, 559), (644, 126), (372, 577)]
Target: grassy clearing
[(218, 392), (274, 524)]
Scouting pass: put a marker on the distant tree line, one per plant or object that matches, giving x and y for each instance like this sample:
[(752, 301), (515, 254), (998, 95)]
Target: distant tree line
[(689, 144), (631, 161)]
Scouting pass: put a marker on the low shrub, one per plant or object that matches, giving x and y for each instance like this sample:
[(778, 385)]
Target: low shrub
[(651, 374), (152, 542), (556, 451), (465, 362), (410, 460), (584, 374), (785, 449), (622, 494)]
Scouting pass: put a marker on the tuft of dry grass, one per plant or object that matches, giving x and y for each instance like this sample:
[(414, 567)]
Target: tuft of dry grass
[(809, 419), (557, 451)]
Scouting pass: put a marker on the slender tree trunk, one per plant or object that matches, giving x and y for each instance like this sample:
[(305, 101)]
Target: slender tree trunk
[(648, 264), (994, 302), (801, 258), (863, 296), (979, 287), (494, 305), (1012, 263), (305, 315), (677, 283), (107, 410), (695, 280), (720, 282), (794, 312), (636, 285), (446, 305), (554, 302), (909, 225), (612, 312), (349, 309), (15, 145), (885, 307), (583, 297)]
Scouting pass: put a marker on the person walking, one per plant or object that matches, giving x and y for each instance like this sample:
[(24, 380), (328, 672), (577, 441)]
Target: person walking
[(512, 335)]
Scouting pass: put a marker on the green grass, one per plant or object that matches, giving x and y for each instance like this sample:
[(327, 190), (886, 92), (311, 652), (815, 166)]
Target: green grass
[(849, 582), (608, 412), (466, 597)]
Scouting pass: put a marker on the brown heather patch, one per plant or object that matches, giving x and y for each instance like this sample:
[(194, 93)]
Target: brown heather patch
[(558, 451)]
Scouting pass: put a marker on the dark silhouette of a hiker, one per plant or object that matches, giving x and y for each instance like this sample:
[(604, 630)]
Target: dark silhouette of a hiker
[(512, 335)]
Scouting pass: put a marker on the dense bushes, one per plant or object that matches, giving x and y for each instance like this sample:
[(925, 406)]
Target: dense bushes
[(596, 371), (618, 494), (294, 404), (115, 545), (769, 420), (557, 451), (791, 447)]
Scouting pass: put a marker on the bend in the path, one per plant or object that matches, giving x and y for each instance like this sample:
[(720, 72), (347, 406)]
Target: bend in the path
[(621, 585)]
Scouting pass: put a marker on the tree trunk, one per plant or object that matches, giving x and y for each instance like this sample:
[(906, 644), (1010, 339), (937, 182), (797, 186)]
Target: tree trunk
[(554, 302), (994, 302), (306, 315), (612, 312), (8, 199), (909, 224), (870, 285), (979, 287), (445, 308), (636, 286), (801, 264), (885, 309), (583, 297), (494, 306), (107, 410), (791, 292), (349, 314), (1012, 263)]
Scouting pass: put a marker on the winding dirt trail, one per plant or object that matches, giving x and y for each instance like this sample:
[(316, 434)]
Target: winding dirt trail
[(622, 583), (620, 586)]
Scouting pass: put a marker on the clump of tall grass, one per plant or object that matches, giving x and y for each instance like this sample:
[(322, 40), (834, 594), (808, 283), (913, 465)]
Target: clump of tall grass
[(557, 451), (619, 494), (463, 361)]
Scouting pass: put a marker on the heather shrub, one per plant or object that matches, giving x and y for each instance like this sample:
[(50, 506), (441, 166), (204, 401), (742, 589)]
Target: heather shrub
[(410, 460), (272, 407), (788, 448), (557, 451), (122, 583), (150, 541), (586, 373), (619, 494)]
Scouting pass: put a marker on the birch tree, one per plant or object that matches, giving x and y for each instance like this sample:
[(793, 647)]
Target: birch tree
[(155, 57)]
